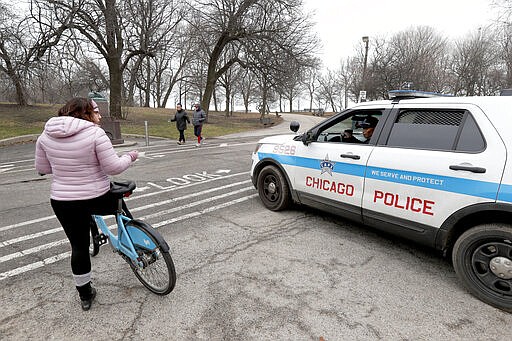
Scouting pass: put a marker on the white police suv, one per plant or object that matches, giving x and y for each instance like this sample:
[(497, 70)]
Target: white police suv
[(433, 169)]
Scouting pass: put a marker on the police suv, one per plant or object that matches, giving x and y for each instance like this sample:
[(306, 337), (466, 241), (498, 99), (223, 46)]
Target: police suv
[(433, 169)]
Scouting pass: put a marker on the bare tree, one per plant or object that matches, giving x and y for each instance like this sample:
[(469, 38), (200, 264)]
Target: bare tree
[(503, 29), (311, 82), (102, 23), (330, 89), (153, 27), (228, 79), (474, 65), (246, 87), (24, 41), (250, 26), (415, 55), (291, 85)]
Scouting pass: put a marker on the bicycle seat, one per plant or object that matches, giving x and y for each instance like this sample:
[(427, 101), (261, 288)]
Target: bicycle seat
[(124, 188)]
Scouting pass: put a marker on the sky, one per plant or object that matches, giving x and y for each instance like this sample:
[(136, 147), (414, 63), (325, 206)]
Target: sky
[(341, 24)]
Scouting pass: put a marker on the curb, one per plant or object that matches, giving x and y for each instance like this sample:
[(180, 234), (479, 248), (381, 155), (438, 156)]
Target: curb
[(33, 138), (19, 139)]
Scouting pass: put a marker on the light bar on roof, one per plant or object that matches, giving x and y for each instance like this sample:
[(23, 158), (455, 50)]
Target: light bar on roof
[(395, 94)]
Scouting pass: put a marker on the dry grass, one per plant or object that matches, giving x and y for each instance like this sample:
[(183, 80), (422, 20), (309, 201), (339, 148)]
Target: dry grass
[(16, 121)]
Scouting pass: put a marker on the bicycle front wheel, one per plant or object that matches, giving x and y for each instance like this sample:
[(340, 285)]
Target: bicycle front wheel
[(156, 268)]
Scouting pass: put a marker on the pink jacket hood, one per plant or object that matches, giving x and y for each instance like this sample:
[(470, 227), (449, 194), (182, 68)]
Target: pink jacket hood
[(80, 156), (64, 126)]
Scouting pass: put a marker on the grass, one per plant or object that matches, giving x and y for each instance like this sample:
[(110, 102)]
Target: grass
[(17, 121)]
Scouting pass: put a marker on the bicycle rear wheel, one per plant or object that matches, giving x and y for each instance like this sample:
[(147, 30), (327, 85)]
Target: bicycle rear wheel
[(157, 271)]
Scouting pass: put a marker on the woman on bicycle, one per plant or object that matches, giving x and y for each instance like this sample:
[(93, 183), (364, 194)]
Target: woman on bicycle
[(80, 156)]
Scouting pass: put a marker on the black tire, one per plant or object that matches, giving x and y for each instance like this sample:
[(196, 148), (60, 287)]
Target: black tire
[(482, 258), (94, 245), (158, 274), (273, 189)]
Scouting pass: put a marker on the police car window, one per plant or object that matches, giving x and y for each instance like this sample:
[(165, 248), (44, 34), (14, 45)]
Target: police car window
[(346, 129), (471, 138), (426, 129)]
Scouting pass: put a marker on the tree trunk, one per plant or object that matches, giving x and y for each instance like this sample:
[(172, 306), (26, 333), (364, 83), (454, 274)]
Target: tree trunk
[(215, 100), (264, 100), (21, 97), (147, 98), (212, 76), (116, 85), (114, 51), (228, 97), (246, 104), (130, 97)]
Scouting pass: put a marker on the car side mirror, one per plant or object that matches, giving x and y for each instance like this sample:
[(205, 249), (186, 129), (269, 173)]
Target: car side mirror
[(307, 137), (294, 126)]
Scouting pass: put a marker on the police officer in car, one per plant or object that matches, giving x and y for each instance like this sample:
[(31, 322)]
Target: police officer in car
[(348, 137), (368, 125)]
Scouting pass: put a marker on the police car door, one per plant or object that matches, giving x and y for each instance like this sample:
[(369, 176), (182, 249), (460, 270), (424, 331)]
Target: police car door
[(330, 173), (430, 161)]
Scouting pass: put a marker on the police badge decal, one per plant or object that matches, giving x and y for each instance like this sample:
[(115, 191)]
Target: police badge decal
[(327, 166)]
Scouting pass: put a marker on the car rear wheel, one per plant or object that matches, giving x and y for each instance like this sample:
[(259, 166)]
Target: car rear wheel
[(273, 189), (482, 258)]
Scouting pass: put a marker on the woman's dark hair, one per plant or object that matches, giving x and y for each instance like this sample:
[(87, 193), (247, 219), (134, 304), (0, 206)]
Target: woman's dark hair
[(78, 107)]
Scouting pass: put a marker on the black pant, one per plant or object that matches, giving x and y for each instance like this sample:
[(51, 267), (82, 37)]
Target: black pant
[(182, 135), (75, 218)]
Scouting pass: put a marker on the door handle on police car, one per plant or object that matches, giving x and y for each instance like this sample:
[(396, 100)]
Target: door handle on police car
[(350, 156), (468, 168)]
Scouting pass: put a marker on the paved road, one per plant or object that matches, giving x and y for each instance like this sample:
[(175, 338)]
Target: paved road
[(244, 273)]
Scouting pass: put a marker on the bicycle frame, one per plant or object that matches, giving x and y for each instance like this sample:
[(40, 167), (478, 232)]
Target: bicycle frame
[(124, 242)]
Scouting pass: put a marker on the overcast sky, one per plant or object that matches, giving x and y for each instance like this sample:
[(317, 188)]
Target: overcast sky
[(341, 24)]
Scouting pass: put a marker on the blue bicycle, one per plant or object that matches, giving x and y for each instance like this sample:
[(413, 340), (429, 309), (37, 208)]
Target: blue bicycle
[(140, 245)]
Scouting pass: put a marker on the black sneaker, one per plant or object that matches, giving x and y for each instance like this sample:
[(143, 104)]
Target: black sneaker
[(87, 294), (86, 304)]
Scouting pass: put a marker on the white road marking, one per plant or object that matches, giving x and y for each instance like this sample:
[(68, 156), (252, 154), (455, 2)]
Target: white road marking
[(136, 209), (188, 196), (35, 265), (112, 227), (185, 186), (29, 236), (32, 250), (29, 222), (14, 170), (65, 255), (196, 203), (206, 210), (141, 189)]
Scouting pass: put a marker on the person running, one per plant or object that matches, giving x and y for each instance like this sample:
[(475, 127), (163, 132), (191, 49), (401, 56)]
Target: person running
[(181, 119), (197, 120), (80, 156)]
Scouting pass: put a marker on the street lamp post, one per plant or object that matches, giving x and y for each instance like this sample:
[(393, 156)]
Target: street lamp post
[(365, 40)]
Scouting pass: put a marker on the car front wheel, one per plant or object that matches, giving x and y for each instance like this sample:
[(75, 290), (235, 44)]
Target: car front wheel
[(273, 189), (482, 258)]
